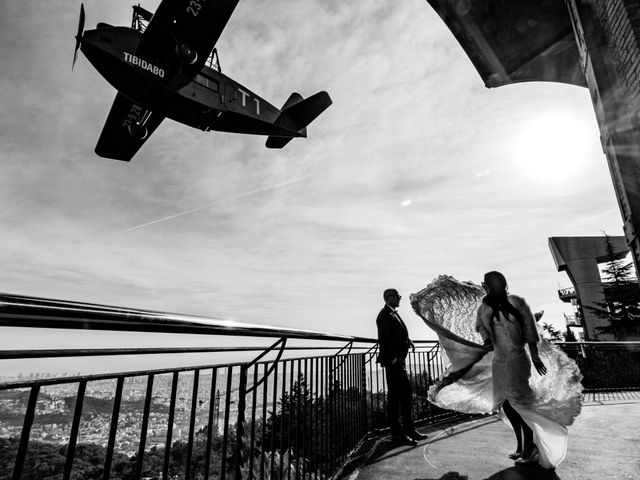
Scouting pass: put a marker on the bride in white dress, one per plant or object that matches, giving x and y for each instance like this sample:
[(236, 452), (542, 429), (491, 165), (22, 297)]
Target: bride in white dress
[(490, 369)]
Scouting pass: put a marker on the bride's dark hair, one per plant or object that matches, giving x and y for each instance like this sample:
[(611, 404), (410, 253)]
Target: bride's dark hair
[(497, 298)]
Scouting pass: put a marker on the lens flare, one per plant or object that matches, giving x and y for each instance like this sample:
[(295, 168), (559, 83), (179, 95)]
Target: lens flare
[(554, 146)]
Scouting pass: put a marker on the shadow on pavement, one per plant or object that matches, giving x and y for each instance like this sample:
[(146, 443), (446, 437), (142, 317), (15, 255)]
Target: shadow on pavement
[(375, 451), (524, 472), (385, 448), (513, 473), (448, 476)]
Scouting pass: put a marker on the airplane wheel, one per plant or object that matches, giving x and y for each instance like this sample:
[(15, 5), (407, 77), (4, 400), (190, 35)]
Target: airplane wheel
[(186, 54), (138, 131)]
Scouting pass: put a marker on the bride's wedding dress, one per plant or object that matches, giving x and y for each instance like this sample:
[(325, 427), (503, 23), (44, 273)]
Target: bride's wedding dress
[(478, 380)]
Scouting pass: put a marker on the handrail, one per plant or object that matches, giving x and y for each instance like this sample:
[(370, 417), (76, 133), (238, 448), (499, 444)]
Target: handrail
[(567, 291), (36, 312), (617, 342), (104, 352)]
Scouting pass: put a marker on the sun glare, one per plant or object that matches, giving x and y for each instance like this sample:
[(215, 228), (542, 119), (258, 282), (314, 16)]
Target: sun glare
[(554, 146)]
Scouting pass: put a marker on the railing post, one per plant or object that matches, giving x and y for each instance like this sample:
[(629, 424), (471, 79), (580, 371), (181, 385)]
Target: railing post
[(26, 430), (242, 404), (363, 379)]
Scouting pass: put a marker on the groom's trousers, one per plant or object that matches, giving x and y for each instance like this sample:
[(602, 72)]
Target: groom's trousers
[(399, 393)]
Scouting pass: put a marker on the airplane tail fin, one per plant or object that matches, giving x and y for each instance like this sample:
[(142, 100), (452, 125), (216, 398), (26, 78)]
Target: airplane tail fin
[(294, 98), (298, 112)]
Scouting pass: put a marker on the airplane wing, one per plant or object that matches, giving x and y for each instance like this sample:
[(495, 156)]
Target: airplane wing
[(127, 127), (182, 34)]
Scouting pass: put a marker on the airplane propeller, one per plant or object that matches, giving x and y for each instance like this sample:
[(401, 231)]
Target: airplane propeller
[(79, 34)]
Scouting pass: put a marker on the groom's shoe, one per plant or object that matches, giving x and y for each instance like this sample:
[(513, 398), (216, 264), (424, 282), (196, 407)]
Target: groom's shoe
[(403, 439), (416, 435)]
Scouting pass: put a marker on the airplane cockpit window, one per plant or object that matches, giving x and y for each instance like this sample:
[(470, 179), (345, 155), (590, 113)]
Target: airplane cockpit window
[(211, 84)]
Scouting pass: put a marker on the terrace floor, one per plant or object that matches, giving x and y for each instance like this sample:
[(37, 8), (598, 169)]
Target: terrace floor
[(604, 444)]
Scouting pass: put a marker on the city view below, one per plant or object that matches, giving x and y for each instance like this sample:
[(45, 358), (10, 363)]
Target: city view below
[(55, 407)]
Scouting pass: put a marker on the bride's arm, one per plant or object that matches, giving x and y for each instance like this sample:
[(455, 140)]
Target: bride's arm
[(481, 328), (535, 358), (529, 330), (530, 334)]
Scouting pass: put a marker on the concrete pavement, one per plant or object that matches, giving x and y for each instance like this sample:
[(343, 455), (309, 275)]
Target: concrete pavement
[(604, 444)]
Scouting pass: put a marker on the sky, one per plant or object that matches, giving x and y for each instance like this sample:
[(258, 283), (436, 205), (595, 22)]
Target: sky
[(416, 170)]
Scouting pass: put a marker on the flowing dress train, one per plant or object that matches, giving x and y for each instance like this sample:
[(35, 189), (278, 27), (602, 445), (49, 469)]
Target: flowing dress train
[(478, 380)]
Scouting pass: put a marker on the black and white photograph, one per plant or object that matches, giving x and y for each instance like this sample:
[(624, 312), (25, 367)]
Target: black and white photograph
[(320, 240)]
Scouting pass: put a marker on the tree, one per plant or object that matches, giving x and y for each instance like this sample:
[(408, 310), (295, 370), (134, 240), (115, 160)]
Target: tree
[(554, 334), (621, 307), (312, 433)]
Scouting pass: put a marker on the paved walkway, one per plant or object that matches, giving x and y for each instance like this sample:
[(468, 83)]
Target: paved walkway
[(604, 444)]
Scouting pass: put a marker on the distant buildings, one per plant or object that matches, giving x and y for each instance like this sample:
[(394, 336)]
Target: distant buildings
[(580, 258)]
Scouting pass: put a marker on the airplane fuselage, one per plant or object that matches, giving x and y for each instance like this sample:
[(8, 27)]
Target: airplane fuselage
[(208, 101)]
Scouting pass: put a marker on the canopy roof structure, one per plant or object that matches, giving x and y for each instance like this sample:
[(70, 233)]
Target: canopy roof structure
[(567, 251), (515, 41)]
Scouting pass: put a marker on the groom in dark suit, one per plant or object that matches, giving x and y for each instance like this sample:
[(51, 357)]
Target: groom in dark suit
[(394, 343)]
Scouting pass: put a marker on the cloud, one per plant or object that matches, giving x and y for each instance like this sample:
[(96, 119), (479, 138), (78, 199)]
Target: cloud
[(176, 229)]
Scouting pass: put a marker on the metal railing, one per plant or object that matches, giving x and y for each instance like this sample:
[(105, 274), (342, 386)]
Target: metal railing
[(572, 320), (566, 294), (606, 365), (293, 407), (140, 18)]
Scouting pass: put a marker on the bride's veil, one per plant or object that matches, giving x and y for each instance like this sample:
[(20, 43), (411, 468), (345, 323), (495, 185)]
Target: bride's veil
[(449, 307), (451, 304)]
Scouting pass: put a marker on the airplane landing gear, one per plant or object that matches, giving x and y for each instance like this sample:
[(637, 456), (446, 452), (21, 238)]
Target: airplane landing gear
[(137, 130), (186, 54)]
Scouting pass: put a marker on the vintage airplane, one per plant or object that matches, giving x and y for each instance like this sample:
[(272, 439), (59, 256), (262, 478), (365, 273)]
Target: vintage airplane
[(166, 65)]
